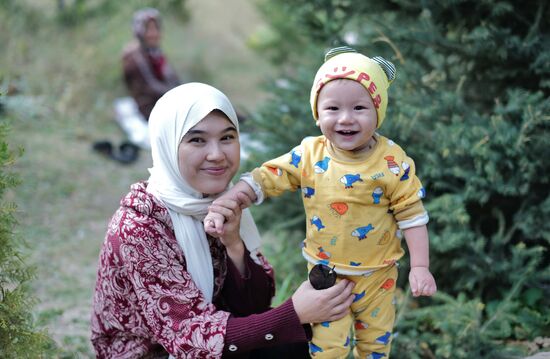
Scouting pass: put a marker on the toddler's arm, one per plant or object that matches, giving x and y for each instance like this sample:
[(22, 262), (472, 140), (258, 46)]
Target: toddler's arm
[(421, 280), (240, 192)]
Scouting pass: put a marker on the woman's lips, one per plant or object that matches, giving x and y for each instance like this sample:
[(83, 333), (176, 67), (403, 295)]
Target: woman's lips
[(215, 171)]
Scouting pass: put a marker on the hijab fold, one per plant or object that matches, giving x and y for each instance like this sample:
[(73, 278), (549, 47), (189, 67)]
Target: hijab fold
[(173, 116)]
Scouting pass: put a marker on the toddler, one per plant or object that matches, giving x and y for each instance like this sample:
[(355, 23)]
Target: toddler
[(361, 197)]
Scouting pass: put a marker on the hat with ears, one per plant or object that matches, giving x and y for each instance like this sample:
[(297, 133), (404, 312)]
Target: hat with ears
[(375, 74)]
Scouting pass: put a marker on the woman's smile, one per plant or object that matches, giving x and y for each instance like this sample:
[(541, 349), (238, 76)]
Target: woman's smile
[(215, 171)]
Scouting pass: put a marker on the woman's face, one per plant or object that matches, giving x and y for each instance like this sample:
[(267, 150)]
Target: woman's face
[(209, 154), (151, 37)]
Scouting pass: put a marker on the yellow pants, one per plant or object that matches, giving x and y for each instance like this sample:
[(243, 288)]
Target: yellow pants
[(372, 316)]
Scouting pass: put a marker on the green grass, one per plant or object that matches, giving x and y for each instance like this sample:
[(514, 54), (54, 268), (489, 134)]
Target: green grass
[(66, 79)]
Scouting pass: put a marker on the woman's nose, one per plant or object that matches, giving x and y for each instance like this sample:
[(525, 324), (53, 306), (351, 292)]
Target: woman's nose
[(215, 152)]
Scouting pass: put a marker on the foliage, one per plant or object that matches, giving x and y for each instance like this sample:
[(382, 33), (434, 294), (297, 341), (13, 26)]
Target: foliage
[(71, 13), (471, 106), (74, 12), (18, 335), (77, 11)]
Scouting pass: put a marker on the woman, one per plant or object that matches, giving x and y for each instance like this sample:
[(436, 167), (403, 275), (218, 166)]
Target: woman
[(163, 285), (147, 73)]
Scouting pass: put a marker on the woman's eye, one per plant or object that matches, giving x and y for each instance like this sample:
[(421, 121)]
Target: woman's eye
[(196, 140), (228, 137)]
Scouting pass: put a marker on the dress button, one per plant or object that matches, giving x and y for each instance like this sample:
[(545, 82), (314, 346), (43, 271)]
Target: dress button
[(268, 336), (232, 348)]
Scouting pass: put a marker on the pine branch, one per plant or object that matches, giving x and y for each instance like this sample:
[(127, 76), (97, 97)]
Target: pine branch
[(506, 301)]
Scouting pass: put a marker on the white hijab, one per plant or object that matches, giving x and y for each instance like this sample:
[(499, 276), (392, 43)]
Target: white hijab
[(174, 114)]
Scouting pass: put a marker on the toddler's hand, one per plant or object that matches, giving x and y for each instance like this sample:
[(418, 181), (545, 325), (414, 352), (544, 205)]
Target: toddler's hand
[(422, 282), (224, 209), (213, 224)]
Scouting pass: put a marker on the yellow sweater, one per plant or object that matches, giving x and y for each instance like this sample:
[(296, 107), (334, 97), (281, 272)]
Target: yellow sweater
[(355, 204)]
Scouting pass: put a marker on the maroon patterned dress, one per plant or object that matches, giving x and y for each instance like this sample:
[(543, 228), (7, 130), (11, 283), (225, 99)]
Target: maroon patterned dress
[(146, 304)]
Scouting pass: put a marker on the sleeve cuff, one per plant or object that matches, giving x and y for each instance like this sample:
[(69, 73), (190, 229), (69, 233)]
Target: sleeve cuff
[(247, 177), (414, 222), (277, 326)]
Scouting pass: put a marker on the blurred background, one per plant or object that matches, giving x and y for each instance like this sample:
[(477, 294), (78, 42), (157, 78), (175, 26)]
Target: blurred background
[(470, 105)]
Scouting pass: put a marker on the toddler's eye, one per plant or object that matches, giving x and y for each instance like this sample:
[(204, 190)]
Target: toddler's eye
[(332, 108), (359, 108)]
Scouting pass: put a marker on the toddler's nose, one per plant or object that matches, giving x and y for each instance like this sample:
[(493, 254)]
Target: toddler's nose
[(345, 118)]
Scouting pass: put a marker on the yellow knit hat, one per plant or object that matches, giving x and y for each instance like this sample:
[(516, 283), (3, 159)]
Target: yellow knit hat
[(374, 74)]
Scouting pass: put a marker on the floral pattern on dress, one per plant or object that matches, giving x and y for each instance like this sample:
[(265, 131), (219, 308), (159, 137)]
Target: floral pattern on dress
[(144, 296)]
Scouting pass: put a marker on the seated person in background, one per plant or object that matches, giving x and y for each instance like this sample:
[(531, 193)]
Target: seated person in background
[(147, 73)]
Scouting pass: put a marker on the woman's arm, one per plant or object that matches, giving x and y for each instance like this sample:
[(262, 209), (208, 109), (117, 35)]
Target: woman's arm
[(185, 324), (276, 326), (288, 323), (251, 292)]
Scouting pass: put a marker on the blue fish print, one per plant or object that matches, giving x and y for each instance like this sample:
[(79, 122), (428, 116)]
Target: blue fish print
[(314, 348), (358, 296), (349, 179), (375, 355), (354, 264), (321, 166), (296, 157), (325, 324), (407, 169), (361, 232), (316, 221), (347, 341), (421, 193), (384, 339), (376, 194), (308, 192)]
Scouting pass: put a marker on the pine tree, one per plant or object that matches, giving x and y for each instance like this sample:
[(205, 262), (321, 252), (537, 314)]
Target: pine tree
[(19, 337), (471, 106)]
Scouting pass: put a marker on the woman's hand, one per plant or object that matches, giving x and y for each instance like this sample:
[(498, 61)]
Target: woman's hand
[(228, 212), (316, 306), (422, 282), (222, 210)]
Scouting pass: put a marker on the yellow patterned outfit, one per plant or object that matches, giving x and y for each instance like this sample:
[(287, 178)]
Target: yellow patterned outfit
[(356, 206)]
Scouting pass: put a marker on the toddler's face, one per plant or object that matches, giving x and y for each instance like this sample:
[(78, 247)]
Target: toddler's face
[(347, 116)]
